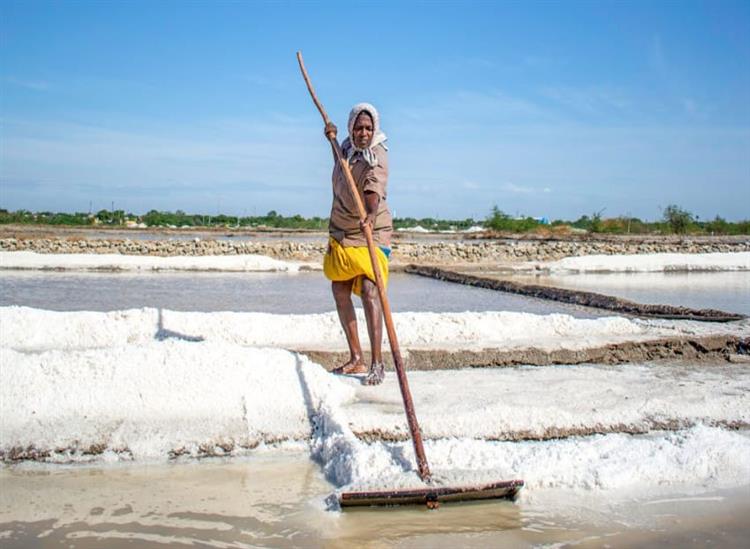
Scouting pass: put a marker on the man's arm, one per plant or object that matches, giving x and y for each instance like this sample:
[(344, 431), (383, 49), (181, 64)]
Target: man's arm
[(372, 203)]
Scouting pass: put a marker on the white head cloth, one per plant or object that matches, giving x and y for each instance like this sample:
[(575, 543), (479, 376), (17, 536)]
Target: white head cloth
[(378, 137)]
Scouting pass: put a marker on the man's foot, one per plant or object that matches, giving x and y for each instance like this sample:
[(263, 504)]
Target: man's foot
[(354, 366), (376, 375)]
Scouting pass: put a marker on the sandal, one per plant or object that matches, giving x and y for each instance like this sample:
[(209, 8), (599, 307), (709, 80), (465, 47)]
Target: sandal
[(350, 369)]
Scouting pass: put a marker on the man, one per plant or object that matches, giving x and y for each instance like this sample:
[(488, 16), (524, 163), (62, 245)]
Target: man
[(347, 261)]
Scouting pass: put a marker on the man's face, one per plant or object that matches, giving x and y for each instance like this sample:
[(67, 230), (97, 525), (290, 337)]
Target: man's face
[(362, 131)]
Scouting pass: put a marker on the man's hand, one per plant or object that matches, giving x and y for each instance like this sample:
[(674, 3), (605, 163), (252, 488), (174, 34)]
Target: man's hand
[(369, 221), (331, 130)]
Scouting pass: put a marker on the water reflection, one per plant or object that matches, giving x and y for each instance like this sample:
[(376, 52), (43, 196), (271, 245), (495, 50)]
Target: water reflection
[(300, 293), (276, 499), (726, 291), (236, 503)]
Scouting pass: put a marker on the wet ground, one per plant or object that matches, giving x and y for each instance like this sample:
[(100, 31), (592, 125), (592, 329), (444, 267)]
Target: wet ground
[(276, 500)]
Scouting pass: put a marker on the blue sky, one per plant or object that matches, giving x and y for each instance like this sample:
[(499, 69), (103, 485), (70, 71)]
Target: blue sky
[(543, 108)]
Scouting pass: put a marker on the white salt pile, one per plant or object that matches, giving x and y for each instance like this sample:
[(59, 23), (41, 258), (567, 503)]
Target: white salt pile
[(121, 262), (644, 263), (27, 329), (179, 398), (144, 385), (153, 400)]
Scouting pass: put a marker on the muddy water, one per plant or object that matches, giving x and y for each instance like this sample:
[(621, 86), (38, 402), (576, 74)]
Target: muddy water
[(261, 292), (277, 500)]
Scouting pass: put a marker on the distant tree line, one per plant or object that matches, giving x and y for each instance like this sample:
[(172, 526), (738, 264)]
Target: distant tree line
[(674, 220), (272, 220), (432, 224)]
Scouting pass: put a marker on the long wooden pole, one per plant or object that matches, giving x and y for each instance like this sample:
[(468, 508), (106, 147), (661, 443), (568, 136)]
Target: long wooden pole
[(411, 417)]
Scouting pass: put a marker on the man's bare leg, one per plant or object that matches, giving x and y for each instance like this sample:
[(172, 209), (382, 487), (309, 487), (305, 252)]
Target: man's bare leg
[(374, 318), (342, 294)]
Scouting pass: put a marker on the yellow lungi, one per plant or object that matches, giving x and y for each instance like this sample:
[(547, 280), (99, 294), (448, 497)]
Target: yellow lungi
[(352, 262)]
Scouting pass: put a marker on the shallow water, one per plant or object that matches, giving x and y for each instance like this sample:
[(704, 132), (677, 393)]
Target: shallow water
[(277, 500), (726, 291), (284, 293)]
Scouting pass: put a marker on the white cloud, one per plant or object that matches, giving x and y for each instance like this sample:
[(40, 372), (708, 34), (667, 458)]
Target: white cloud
[(595, 100), (188, 166), (518, 189), (36, 85), (466, 107), (283, 163), (523, 189)]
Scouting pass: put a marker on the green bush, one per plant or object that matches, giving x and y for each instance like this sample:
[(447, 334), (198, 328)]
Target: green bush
[(678, 220), (500, 221), (593, 224), (432, 224)]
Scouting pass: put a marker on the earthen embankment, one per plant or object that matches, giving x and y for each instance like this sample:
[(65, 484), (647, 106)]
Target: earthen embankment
[(418, 250)]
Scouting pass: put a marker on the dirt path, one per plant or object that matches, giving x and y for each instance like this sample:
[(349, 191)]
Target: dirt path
[(715, 348)]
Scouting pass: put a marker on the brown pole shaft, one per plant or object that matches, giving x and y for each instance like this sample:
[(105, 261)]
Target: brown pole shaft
[(411, 417)]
